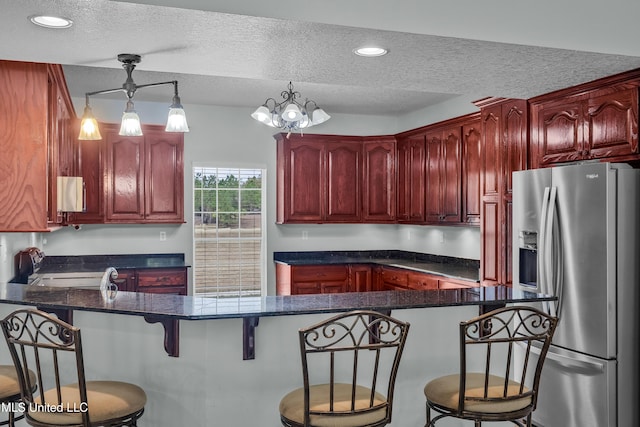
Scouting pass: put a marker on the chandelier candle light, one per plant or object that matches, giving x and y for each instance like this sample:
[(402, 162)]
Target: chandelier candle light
[(290, 114), (130, 125)]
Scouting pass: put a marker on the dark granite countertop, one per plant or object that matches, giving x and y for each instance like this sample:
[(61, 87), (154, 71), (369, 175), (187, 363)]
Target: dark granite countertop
[(459, 268), (200, 308), (95, 263)]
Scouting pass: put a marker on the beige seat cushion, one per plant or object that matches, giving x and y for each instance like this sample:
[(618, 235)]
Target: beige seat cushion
[(106, 400), (292, 406), (9, 385), (443, 391)]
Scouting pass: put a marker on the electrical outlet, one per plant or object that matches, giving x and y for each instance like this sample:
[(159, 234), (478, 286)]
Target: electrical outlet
[(441, 236), (305, 235), (163, 236)]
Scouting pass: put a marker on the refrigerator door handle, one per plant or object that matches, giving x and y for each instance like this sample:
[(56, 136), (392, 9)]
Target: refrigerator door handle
[(553, 253), (543, 287)]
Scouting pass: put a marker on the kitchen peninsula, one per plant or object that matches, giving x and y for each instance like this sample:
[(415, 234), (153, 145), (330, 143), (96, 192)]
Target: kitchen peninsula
[(168, 309)]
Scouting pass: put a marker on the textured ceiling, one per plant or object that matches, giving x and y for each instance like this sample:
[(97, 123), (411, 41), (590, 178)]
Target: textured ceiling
[(239, 53)]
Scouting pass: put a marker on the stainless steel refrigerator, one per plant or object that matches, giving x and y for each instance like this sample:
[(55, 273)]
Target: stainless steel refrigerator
[(576, 234)]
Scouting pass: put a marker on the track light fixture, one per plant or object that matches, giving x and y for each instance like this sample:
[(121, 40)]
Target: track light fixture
[(290, 114), (130, 126)]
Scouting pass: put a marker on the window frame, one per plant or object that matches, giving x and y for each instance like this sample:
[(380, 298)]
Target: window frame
[(199, 166)]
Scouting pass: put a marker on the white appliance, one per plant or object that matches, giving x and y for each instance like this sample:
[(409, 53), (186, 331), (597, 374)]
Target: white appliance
[(576, 235), (71, 196)]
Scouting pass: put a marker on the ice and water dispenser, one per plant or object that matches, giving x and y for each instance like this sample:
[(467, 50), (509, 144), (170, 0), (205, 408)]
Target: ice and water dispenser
[(528, 258)]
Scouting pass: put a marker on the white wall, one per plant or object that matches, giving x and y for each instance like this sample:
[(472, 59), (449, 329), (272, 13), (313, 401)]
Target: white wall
[(210, 384), (229, 136)]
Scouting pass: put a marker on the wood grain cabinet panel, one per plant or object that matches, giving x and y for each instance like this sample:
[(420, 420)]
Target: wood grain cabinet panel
[(35, 114), (319, 179), (315, 279), (379, 180), (600, 123), (444, 175), (471, 162), (504, 126), (143, 176), (166, 281), (344, 194), (411, 178)]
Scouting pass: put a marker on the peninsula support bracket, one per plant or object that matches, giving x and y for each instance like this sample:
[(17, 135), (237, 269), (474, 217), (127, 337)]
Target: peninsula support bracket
[(249, 325), (171, 333)]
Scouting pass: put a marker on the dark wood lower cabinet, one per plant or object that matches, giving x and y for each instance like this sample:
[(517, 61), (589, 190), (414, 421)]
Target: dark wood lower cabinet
[(153, 280), (324, 279)]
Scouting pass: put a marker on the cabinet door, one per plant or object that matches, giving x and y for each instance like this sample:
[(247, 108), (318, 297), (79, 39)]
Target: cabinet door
[(451, 176), (444, 176), (433, 209), (379, 181), (164, 176), (23, 144), (162, 280), (56, 114), (124, 177), (612, 124), (344, 175), (513, 146), (560, 132), (360, 278), (411, 179), (301, 186), (91, 169), (471, 151)]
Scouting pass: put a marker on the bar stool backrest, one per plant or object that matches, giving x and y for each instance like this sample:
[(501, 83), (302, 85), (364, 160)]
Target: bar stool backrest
[(52, 349), (359, 348)]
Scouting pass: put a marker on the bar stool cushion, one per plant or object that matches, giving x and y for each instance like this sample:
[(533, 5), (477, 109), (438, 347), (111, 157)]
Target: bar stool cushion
[(444, 391), (292, 406), (9, 385), (106, 400)]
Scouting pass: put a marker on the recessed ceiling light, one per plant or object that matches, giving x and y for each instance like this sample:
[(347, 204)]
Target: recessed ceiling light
[(370, 51), (51, 21)]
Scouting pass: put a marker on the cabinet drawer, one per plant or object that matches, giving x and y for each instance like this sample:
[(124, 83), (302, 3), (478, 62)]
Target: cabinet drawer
[(162, 277), (395, 277), (319, 273), (422, 281)]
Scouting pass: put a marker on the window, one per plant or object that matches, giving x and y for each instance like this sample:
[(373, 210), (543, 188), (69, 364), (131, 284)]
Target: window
[(228, 231)]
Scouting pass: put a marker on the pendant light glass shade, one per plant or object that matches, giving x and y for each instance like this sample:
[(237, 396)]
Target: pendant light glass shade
[(177, 120), (319, 116), (130, 125), (262, 114), (89, 130), (292, 113)]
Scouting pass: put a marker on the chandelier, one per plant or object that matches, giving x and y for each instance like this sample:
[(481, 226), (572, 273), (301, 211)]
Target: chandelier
[(290, 114), (130, 125)]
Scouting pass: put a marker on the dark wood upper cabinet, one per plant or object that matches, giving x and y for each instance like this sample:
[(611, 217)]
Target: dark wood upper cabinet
[(344, 169), (471, 162), (585, 123), (319, 179), (143, 176), (379, 180), (444, 175), (411, 178), (90, 166)]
